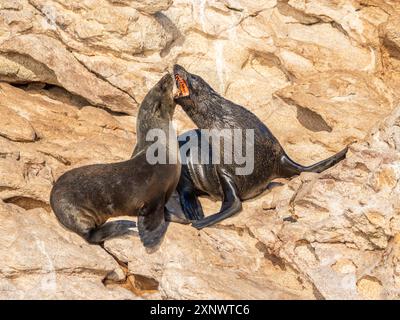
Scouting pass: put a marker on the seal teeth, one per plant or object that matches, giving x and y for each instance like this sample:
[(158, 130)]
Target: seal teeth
[(183, 89)]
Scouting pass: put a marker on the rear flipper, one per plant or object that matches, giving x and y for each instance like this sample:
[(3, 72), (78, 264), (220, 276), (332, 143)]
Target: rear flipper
[(289, 168), (110, 230), (231, 203), (152, 225)]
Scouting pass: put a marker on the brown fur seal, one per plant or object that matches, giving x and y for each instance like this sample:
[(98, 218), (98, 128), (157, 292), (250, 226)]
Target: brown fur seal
[(209, 110), (84, 198)]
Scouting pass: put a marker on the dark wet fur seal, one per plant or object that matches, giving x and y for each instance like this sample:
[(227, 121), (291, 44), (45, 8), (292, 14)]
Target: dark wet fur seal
[(209, 110), (84, 198)]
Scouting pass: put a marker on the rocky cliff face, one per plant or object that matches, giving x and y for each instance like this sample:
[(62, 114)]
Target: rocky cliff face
[(321, 74)]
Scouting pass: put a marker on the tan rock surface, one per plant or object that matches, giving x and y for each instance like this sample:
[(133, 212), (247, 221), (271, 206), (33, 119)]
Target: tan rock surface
[(40, 260), (15, 127), (320, 74)]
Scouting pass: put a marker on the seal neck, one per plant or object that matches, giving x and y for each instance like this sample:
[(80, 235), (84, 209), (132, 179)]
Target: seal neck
[(209, 110), (149, 132)]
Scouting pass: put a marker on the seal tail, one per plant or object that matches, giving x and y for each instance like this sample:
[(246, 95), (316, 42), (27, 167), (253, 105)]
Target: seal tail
[(290, 168)]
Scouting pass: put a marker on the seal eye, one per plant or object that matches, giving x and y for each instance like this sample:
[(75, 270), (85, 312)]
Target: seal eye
[(183, 90)]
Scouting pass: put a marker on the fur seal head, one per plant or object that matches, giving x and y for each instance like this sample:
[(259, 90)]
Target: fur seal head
[(203, 104), (158, 105), (191, 87), (156, 110), (198, 99)]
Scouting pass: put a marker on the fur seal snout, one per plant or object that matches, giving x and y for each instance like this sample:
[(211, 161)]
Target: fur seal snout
[(84, 198)]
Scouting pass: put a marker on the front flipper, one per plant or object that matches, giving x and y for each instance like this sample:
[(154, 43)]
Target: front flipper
[(171, 216), (231, 203), (187, 196), (152, 225), (110, 230), (174, 211), (191, 205)]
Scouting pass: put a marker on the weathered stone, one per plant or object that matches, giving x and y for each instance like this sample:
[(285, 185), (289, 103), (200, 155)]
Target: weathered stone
[(41, 58), (218, 264), (99, 117), (40, 260), (320, 74), (15, 127), (147, 6)]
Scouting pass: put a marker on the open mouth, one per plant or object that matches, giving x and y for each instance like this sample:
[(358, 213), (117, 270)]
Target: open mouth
[(183, 90)]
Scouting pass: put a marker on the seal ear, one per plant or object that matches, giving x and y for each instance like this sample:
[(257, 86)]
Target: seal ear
[(152, 227)]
